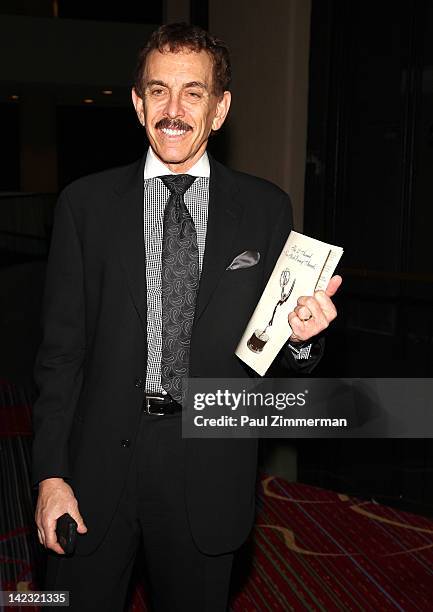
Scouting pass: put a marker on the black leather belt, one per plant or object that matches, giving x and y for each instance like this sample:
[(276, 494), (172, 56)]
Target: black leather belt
[(159, 404)]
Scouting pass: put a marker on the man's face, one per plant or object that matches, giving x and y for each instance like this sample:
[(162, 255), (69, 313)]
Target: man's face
[(178, 107)]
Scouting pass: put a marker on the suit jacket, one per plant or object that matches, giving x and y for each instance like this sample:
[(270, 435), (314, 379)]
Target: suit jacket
[(94, 345)]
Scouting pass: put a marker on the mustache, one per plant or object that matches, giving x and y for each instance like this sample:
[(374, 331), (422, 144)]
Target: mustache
[(172, 124)]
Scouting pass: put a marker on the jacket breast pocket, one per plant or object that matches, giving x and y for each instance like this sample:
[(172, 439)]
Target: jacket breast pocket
[(240, 275), (242, 284)]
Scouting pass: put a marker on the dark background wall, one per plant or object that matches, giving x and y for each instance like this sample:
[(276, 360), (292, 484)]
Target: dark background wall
[(369, 188), (368, 185)]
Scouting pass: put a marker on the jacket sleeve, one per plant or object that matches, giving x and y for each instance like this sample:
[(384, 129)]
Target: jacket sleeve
[(59, 362), (299, 358)]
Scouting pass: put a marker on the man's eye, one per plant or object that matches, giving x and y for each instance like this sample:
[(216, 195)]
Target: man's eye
[(194, 94), (157, 92)]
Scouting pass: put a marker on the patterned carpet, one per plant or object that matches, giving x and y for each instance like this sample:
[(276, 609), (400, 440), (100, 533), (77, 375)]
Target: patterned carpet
[(311, 549), (318, 550)]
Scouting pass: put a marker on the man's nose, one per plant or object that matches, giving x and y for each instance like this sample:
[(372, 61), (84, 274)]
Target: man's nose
[(174, 106)]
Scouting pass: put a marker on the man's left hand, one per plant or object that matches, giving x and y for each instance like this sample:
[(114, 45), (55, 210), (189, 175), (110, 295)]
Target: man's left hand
[(313, 314)]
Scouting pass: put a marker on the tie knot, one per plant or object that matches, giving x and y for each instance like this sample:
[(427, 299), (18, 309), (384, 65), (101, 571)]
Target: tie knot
[(177, 183)]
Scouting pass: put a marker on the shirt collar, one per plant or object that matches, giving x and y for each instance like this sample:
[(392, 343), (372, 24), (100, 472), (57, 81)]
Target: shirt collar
[(154, 166)]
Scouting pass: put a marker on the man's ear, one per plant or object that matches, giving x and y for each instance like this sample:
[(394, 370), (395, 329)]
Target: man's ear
[(222, 109), (138, 105)]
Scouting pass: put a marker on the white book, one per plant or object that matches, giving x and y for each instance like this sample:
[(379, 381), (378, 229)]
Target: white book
[(305, 265)]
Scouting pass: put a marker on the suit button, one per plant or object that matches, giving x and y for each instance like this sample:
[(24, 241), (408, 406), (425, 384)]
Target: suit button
[(125, 443), (138, 382)]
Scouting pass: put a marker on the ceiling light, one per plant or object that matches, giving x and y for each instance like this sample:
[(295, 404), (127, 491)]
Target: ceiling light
[(107, 92), (88, 100)]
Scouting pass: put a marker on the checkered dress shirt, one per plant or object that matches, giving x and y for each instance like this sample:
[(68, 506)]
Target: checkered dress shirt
[(156, 196)]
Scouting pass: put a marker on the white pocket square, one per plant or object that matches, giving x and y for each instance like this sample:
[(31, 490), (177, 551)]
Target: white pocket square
[(247, 259)]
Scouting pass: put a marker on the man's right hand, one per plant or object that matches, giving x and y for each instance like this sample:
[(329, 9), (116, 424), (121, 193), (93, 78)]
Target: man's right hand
[(55, 498)]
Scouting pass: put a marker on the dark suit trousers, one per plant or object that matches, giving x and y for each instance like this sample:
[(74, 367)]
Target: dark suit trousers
[(152, 506)]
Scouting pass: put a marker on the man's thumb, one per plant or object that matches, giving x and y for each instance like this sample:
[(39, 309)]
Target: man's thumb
[(333, 285)]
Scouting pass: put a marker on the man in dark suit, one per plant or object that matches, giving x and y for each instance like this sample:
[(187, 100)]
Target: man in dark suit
[(137, 296)]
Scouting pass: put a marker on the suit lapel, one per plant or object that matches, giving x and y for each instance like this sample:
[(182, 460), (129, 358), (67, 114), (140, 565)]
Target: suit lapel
[(223, 220), (130, 234), (224, 215)]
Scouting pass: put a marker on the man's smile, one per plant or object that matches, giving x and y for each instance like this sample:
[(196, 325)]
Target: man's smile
[(173, 133), (172, 129)]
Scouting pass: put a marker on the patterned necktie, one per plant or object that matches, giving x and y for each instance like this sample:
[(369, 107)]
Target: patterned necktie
[(180, 277)]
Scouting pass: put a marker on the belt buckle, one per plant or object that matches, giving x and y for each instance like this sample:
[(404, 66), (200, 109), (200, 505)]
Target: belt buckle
[(153, 397)]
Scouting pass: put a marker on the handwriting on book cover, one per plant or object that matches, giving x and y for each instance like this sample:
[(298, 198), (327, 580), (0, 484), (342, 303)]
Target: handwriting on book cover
[(304, 266)]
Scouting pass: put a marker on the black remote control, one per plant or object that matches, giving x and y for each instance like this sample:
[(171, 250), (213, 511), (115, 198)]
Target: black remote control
[(66, 531)]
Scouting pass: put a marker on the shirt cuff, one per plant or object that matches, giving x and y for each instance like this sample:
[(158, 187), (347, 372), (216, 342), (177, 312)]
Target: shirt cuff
[(303, 357), (301, 351)]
